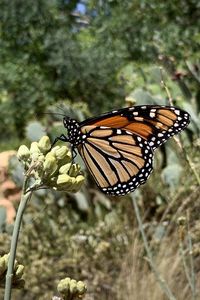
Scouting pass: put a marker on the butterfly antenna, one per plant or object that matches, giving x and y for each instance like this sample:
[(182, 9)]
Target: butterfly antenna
[(49, 113), (60, 108)]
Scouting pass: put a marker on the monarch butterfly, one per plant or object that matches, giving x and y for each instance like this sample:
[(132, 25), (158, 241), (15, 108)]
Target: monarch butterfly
[(118, 146)]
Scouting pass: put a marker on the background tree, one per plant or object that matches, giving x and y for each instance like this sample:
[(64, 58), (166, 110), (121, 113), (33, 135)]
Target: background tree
[(51, 50)]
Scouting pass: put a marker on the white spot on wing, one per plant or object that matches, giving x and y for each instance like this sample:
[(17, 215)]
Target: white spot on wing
[(128, 132), (177, 112), (152, 114)]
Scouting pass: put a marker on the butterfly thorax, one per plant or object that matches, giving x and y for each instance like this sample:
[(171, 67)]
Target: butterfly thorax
[(74, 132)]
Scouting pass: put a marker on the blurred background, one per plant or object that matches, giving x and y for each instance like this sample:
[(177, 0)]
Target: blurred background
[(86, 58)]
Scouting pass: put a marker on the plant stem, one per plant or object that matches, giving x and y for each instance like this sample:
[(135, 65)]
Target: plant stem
[(188, 159), (192, 166), (187, 273), (170, 67), (158, 276), (192, 71), (190, 247), (11, 261)]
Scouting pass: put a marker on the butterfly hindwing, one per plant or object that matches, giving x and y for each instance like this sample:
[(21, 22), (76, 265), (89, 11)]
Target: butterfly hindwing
[(118, 160)]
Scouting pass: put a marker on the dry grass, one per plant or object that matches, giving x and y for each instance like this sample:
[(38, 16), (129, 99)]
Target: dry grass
[(137, 282)]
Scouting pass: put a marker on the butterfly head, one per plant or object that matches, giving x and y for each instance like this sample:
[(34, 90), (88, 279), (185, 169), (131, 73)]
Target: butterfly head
[(73, 128)]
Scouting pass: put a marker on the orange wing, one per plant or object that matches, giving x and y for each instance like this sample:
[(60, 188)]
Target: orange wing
[(154, 124), (118, 146)]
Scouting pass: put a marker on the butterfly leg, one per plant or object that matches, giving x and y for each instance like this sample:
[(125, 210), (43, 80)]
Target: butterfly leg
[(74, 154), (62, 138)]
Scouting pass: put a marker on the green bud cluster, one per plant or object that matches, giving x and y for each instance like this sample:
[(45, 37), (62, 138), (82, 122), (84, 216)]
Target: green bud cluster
[(18, 282), (71, 289), (51, 168)]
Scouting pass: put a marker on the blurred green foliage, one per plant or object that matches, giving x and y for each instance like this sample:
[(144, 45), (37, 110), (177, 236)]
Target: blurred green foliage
[(50, 50)]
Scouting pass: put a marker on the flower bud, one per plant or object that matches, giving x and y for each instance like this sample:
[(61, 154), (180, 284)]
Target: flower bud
[(50, 165), (81, 287), (3, 265), (64, 181), (50, 154), (73, 287), (6, 257), (65, 168), (53, 168), (80, 179), (23, 153), (41, 158), (63, 285), (54, 149), (19, 272), (44, 144), (78, 183), (70, 288), (35, 156), (61, 153), (74, 170), (34, 148)]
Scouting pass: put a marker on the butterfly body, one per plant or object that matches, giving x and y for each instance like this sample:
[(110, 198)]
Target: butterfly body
[(118, 146), (74, 132)]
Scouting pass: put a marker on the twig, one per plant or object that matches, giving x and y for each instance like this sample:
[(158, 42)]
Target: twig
[(181, 208), (170, 100), (193, 281), (177, 140), (193, 73), (190, 163), (158, 276), (169, 66), (187, 272)]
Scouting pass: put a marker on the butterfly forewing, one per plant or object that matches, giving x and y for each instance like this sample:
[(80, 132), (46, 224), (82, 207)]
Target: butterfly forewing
[(119, 160), (153, 123)]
